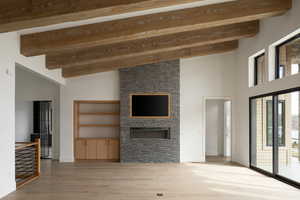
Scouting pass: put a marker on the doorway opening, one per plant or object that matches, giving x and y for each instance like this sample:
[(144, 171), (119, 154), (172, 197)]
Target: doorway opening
[(218, 128), (42, 126), (37, 111)]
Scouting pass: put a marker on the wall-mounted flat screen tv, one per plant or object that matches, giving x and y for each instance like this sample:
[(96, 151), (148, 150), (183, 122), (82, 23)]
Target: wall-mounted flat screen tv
[(150, 105)]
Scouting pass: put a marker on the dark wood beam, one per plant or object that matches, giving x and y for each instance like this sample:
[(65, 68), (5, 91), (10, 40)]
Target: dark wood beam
[(148, 46), (151, 25), (21, 14), (148, 59)]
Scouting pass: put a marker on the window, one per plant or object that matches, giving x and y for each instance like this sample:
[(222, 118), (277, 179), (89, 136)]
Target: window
[(281, 123), (277, 114), (295, 68), (259, 69), (261, 157), (288, 57)]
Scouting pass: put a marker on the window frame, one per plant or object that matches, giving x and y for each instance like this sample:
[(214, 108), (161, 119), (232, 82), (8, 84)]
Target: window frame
[(277, 59), (256, 67)]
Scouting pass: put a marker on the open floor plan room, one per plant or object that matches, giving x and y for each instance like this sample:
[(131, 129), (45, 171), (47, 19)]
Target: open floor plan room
[(150, 99)]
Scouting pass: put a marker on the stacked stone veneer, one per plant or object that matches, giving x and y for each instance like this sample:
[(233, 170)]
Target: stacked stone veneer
[(162, 77)]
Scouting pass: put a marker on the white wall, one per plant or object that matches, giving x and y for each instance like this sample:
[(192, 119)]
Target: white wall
[(24, 120), (214, 140), (30, 87), (102, 86), (7, 115), (208, 76), (271, 30), (201, 77), (9, 55)]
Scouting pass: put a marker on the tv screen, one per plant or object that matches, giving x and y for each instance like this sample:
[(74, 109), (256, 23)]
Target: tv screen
[(150, 105)]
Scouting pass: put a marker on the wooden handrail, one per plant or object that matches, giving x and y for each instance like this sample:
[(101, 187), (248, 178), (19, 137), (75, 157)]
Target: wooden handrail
[(38, 156), (21, 145)]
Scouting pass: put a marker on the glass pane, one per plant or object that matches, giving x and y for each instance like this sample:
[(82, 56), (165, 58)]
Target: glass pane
[(260, 69), (281, 123), (288, 135), (269, 123), (289, 58), (295, 68), (261, 131)]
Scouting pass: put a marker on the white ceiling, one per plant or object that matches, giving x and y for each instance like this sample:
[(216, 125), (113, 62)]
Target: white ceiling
[(121, 16)]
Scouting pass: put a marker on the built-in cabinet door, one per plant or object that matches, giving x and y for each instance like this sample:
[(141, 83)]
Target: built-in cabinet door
[(113, 149), (80, 149), (97, 149), (91, 149), (102, 149)]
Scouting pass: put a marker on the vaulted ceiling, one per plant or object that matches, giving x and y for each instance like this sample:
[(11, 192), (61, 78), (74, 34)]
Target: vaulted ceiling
[(172, 29)]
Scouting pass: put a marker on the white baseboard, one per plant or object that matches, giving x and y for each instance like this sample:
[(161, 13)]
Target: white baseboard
[(66, 159), (7, 188), (200, 160)]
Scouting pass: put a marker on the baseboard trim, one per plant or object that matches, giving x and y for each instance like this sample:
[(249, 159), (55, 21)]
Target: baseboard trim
[(66, 160), (7, 189)]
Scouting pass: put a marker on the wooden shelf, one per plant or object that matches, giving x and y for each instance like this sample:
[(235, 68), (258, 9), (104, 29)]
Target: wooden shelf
[(98, 138), (99, 113), (104, 117), (97, 102), (99, 125)]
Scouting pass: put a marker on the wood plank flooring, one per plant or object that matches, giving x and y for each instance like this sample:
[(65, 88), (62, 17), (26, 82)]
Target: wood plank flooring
[(115, 181)]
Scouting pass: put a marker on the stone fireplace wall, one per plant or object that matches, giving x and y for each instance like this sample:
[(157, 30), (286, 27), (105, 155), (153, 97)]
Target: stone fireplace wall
[(162, 77)]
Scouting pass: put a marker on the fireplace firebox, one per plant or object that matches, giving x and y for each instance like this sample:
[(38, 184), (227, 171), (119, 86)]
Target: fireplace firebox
[(150, 132)]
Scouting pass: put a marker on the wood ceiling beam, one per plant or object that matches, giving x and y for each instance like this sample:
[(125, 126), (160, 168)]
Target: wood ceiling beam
[(21, 14), (151, 25), (148, 46), (148, 59)]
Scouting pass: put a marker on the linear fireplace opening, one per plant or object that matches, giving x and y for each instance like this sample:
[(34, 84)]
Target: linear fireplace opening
[(150, 132)]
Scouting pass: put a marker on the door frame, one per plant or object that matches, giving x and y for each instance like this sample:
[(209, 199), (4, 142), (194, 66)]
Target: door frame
[(205, 99), (274, 174)]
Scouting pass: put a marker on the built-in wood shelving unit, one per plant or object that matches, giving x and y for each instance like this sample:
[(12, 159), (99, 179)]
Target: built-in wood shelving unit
[(99, 113), (99, 125), (96, 130)]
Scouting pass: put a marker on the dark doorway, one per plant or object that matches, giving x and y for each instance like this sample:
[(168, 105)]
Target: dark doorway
[(42, 126)]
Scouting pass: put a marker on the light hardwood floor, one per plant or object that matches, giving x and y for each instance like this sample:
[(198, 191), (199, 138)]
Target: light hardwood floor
[(115, 181)]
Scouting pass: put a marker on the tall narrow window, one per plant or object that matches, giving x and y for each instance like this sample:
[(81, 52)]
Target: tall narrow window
[(289, 157), (259, 69), (261, 156), (288, 57)]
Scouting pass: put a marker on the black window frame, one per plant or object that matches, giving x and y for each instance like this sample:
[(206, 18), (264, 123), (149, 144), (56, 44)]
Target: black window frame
[(282, 122), (277, 59), (274, 174), (256, 67)]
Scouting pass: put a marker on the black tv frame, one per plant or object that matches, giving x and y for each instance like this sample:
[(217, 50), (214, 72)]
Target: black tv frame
[(150, 94)]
